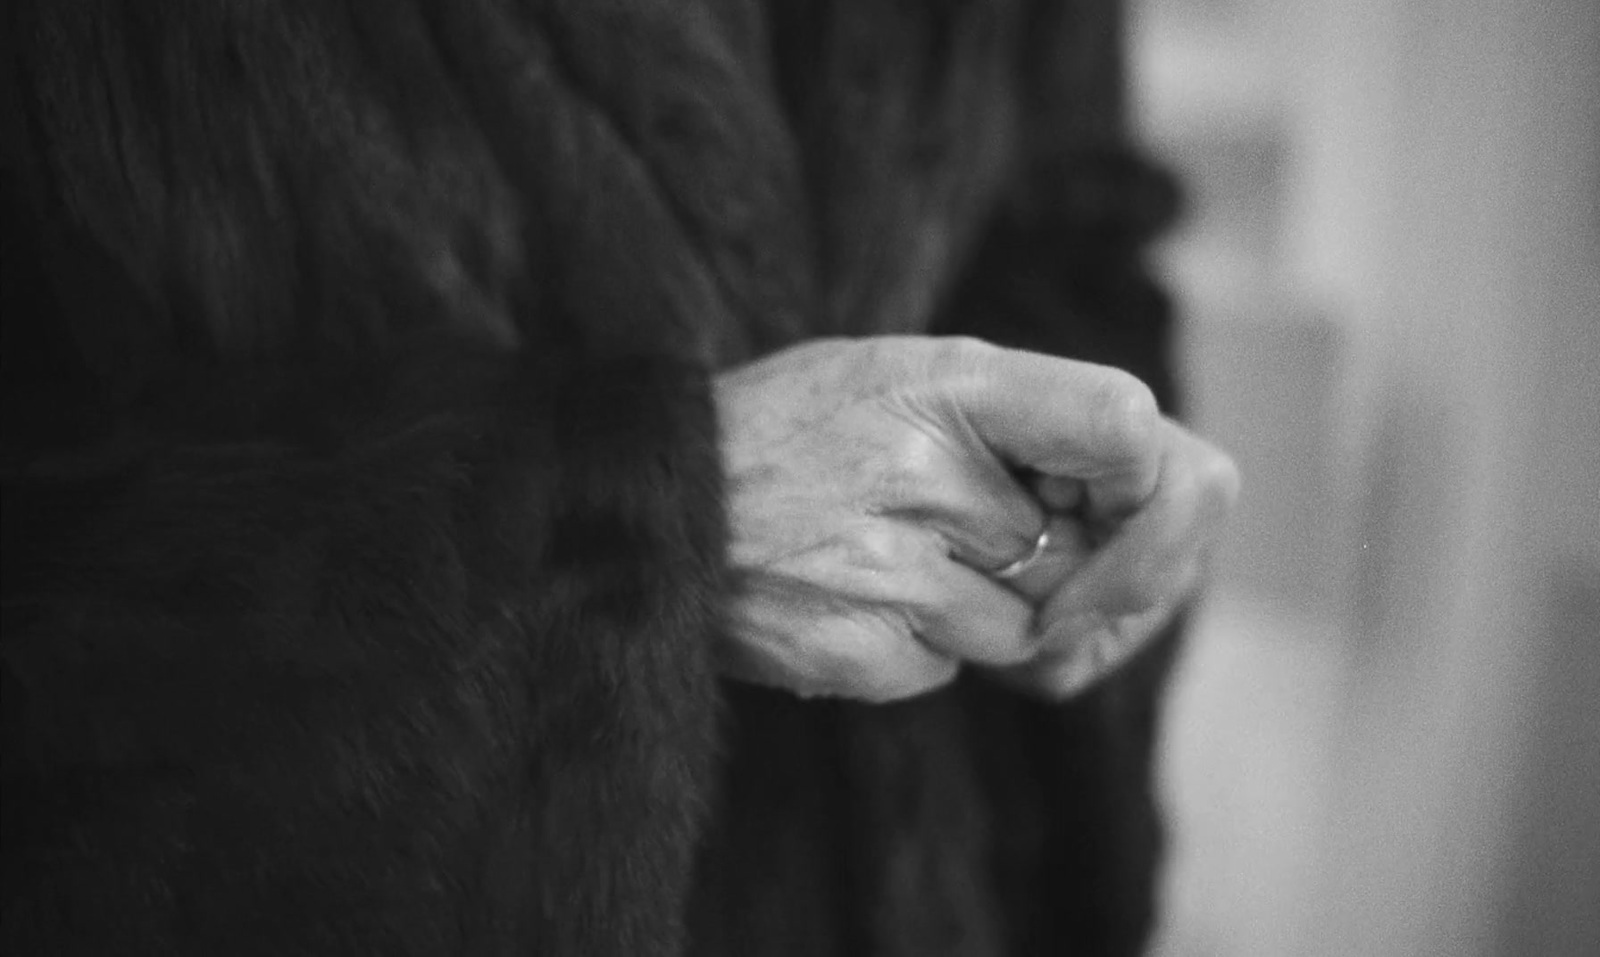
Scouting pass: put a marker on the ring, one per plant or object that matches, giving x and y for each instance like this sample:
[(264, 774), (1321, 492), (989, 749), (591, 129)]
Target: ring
[(1022, 564)]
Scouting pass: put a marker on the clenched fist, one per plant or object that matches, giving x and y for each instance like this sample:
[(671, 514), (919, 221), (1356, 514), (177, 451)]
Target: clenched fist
[(882, 491)]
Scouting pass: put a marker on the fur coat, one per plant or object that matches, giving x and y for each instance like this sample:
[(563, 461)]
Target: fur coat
[(363, 531)]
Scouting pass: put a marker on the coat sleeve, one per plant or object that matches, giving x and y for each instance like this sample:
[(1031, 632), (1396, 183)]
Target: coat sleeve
[(1062, 270), (361, 544)]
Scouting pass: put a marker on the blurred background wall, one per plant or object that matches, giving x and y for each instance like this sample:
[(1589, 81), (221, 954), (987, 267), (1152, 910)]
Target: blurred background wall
[(1385, 737)]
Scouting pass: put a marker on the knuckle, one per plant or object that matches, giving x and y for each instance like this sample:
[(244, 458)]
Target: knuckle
[(887, 547), (910, 467), (876, 355), (957, 356)]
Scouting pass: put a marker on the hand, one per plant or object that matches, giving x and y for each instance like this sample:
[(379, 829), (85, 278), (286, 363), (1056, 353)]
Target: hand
[(871, 486), (1114, 598)]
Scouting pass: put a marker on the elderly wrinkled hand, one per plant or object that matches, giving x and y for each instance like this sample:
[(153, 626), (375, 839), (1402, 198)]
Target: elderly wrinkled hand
[(901, 506)]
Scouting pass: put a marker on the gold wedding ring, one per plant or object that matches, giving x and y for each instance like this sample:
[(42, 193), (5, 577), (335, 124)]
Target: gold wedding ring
[(1040, 545)]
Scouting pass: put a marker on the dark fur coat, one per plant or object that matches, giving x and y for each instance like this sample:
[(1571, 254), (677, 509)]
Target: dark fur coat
[(362, 508)]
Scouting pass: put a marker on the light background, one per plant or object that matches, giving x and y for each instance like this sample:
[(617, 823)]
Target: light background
[(1385, 736)]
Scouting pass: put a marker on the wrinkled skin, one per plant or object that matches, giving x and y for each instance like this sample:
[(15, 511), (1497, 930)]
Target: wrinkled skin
[(875, 486)]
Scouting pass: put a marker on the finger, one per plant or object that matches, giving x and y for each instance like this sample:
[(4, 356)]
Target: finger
[(1059, 416), (985, 515), (804, 642), (1148, 562), (1062, 633), (1094, 656), (962, 613), (891, 568), (1066, 549)]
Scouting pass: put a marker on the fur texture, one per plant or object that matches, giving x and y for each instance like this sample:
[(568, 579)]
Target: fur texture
[(362, 508)]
